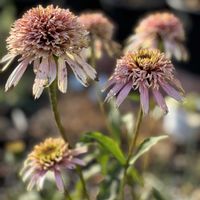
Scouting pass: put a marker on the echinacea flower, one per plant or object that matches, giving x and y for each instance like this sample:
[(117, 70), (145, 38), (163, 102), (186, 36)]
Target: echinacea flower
[(146, 70), (160, 30), (101, 30), (51, 155), (52, 39)]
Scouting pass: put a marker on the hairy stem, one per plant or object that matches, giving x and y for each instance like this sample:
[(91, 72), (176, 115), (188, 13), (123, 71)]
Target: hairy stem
[(130, 152), (54, 106)]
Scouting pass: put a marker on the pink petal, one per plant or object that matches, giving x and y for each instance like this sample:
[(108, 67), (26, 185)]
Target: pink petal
[(59, 181), (78, 72), (36, 64), (90, 71), (16, 74), (52, 70), (123, 93), (160, 100), (144, 98), (171, 91), (62, 75), (78, 161), (114, 91), (79, 150), (109, 83), (8, 58), (41, 79)]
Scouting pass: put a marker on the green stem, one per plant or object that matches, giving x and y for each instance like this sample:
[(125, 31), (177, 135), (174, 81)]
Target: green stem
[(67, 195), (98, 94), (85, 193), (130, 152), (54, 105)]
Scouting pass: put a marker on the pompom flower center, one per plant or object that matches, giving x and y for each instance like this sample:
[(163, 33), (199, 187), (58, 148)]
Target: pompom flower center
[(48, 154), (146, 59)]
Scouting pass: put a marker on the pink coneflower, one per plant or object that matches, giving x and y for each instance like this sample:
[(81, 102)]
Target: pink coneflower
[(101, 29), (51, 155), (160, 30), (144, 70), (51, 38)]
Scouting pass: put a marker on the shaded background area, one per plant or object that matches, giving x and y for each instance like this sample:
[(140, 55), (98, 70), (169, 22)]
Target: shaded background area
[(25, 122)]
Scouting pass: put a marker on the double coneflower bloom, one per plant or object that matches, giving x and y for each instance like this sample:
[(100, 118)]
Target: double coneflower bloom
[(52, 39), (160, 30), (146, 70), (101, 31), (52, 155)]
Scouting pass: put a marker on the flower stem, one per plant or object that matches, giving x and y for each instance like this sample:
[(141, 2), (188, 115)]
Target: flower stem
[(54, 105), (85, 193), (67, 195), (98, 94), (130, 152)]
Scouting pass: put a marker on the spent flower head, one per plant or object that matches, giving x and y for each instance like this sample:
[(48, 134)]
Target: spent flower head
[(52, 38), (101, 30), (160, 30), (146, 70), (51, 155)]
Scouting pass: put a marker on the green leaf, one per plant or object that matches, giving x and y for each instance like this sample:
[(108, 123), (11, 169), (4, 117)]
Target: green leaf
[(157, 195), (107, 143), (146, 146), (109, 187)]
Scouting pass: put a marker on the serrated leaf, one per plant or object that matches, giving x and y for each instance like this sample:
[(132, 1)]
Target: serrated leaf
[(146, 146), (107, 143)]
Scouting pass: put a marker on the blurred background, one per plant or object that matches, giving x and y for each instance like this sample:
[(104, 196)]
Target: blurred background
[(173, 165)]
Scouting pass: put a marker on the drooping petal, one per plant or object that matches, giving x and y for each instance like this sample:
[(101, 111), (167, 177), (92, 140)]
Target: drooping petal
[(144, 98), (160, 100), (59, 181), (16, 74), (41, 79), (78, 72), (114, 91), (90, 71), (78, 162), (36, 64), (171, 91), (79, 150), (8, 58), (109, 83), (123, 93), (62, 75), (52, 69)]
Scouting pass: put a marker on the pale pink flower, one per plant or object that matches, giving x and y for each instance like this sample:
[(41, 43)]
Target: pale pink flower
[(51, 155), (101, 30), (160, 30), (146, 70), (52, 39)]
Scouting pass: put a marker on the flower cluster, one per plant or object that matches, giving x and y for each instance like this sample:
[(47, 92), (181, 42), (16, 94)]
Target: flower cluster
[(160, 30), (51, 155), (146, 70), (101, 30), (51, 38)]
